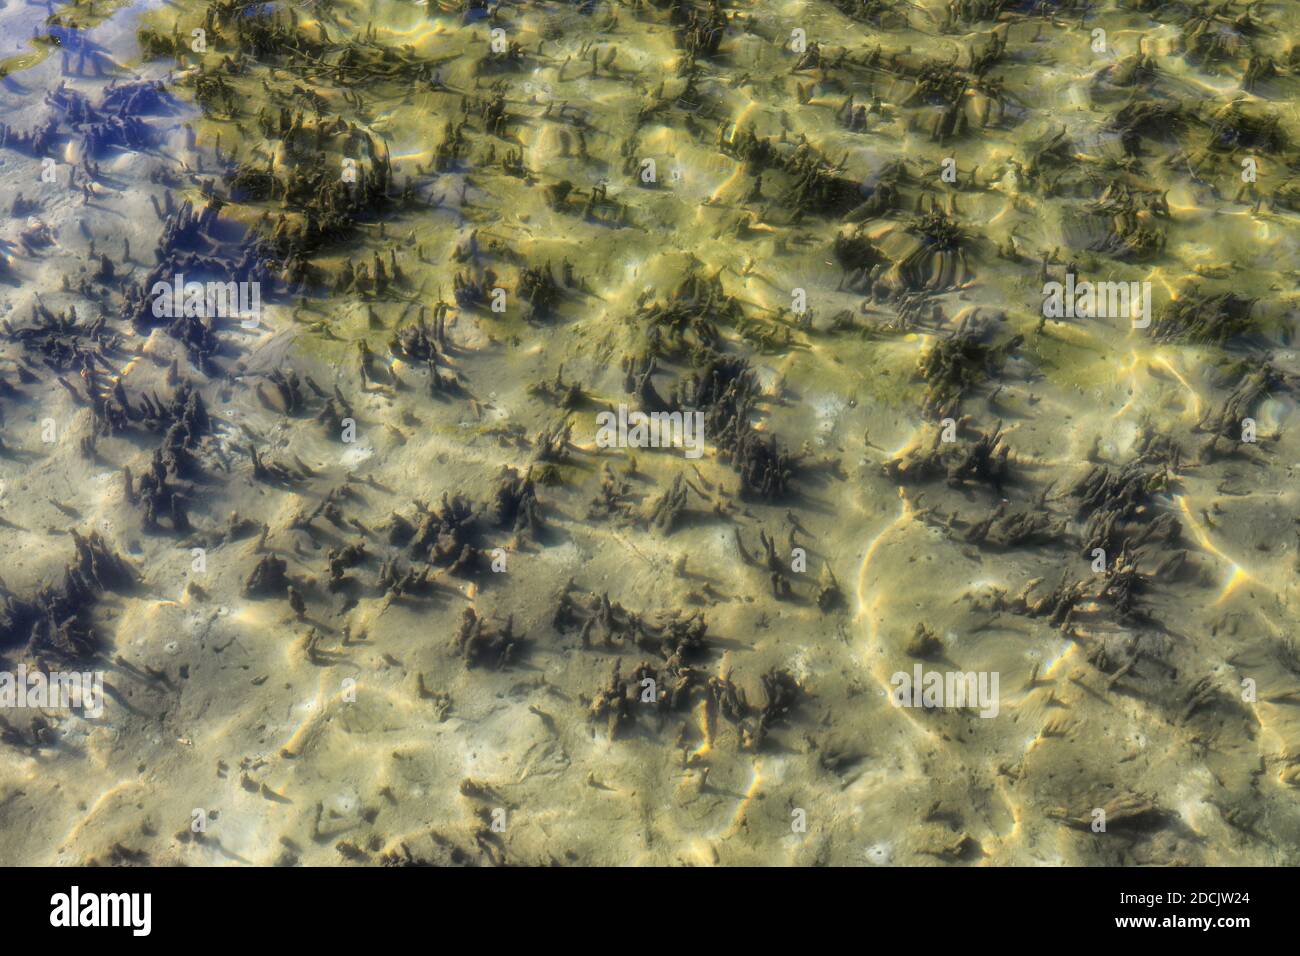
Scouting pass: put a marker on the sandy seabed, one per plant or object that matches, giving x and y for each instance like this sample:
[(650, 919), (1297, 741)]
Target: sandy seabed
[(363, 585)]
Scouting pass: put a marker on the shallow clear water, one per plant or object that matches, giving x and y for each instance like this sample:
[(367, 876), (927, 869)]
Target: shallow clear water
[(371, 584)]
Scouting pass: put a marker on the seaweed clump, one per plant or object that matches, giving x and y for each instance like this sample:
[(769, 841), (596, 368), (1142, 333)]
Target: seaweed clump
[(726, 391), (1204, 318), (676, 637), (1131, 217), (781, 694), (957, 362), (513, 506), (1120, 512), (115, 122), (481, 645), (815, 183), (161, 490), (986, 460), (699, 30), (188, 246), (686, 325), (450, 535), (674, 682), (1225, 421), (56, 623)]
